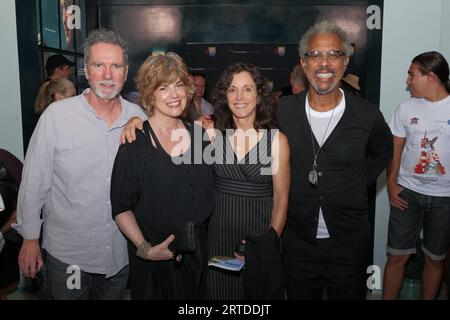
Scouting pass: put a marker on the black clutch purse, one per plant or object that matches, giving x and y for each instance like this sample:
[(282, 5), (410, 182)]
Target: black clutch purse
[(184, 233)]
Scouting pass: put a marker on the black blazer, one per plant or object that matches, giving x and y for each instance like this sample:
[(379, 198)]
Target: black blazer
[(355, 153)]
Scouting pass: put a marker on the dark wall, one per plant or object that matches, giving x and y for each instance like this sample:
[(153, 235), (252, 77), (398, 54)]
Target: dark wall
[(190, 27), (38, 19), (29, 64), (244, 30)]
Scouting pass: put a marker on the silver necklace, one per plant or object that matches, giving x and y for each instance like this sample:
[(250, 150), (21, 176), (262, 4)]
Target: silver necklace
[(313, 176)]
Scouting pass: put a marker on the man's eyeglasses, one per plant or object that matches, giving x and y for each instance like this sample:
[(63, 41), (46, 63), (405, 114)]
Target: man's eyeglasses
[(332, 55)]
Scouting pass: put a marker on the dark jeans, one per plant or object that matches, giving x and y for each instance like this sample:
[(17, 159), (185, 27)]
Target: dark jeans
[(312, 267), (92, 286), (431, 213)]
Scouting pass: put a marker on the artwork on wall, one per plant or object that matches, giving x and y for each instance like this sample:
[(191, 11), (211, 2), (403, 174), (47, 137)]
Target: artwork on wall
[(61, 26)]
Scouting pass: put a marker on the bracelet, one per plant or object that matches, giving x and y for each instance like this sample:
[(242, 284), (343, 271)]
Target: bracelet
[(143, 249)]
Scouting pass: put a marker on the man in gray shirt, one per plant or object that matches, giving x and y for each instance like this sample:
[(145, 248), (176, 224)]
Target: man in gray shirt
[(67, 176), (199, 107)]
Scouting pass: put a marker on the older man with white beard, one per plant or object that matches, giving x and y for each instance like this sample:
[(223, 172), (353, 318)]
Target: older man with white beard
[(339, 144), (67, 176)]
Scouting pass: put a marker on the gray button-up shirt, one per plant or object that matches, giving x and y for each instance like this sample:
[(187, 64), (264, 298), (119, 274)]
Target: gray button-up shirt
[(67, 175)]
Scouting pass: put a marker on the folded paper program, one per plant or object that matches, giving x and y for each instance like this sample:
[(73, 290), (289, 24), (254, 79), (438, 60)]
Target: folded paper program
[(228, 263)]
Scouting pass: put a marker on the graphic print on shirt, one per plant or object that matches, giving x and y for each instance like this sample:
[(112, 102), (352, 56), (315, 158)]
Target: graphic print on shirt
[(429, 162)]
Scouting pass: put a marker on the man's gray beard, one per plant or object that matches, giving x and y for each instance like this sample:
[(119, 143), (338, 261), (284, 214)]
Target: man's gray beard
[(324, 91), (110, 96)]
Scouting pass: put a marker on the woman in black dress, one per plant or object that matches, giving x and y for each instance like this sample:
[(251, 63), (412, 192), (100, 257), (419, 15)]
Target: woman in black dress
[(252, 183), (151, 186)]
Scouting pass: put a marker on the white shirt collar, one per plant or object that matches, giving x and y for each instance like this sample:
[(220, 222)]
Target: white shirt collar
[(316, 114)]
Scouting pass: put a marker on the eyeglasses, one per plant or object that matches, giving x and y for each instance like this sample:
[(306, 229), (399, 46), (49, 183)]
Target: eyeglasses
[(332, 55)]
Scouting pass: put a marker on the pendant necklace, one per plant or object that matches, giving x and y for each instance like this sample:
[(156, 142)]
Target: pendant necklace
[(313, 176)]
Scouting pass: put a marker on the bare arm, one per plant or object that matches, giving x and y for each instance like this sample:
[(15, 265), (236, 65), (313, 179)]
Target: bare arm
[(281, 178), (128, 225), (207, 122), (281, 181), (392, 173), (129, 131)]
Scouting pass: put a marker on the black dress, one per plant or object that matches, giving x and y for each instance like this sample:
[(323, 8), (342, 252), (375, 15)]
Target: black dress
[(146, 180), (243, 207)]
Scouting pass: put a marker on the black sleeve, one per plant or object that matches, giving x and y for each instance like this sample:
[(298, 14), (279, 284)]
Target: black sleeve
[(379, 148), (192, 113), (127, 174), (8, 189), (282, 114), (288, 111)]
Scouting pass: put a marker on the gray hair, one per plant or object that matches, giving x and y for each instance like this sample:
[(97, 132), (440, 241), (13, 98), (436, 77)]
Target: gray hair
[(297, 76), (104, 36), (325, 27)]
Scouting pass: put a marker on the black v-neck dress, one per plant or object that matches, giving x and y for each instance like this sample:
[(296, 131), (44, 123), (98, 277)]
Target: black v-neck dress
[(146, 181), (243, 207)]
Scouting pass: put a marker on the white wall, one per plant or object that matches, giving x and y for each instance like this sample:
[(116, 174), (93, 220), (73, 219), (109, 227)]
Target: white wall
[(10, 109), (410, 27), (445, 30)]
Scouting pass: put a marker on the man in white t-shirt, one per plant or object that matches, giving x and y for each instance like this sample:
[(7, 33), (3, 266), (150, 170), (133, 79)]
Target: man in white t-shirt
[(418, 178)]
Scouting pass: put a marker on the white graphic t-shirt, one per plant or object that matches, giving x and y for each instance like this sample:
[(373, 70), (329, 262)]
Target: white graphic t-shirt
[(425, 162)]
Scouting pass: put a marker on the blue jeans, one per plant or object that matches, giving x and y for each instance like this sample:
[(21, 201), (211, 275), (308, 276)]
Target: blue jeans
[(92, 286), (433, 213)]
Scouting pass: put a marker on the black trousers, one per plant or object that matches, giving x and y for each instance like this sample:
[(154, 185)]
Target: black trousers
[(340, 268)]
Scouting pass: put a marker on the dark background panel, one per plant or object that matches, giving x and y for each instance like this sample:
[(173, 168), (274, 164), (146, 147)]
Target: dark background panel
[(217, 2), (38, 36), (148, 26), (274, 60), (29, 64)]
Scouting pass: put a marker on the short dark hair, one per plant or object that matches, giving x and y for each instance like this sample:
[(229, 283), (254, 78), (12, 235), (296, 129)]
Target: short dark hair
[(433, 61), (199, 74), (57, 61), (265, 109)]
